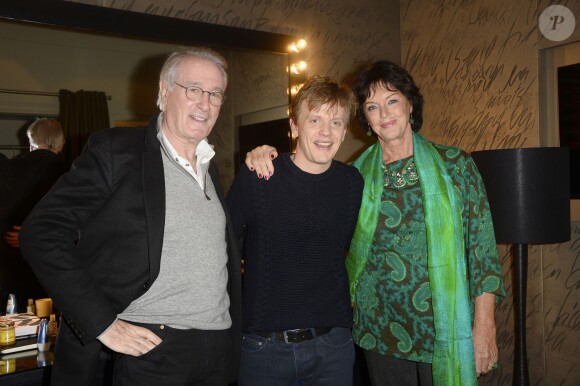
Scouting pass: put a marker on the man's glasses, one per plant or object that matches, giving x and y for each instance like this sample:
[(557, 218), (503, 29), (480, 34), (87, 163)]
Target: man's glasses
[(195, 94)]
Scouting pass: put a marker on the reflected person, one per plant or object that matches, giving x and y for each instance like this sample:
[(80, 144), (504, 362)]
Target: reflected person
[(23, 182), (135, 247)]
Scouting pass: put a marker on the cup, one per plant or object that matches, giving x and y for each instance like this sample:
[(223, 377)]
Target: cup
[(43, 307)]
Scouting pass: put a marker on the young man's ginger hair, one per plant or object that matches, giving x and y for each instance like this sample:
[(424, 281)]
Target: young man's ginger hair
[(320, 90)]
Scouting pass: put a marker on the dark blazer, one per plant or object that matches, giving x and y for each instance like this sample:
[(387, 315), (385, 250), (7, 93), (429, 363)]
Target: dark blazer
[(95, 243)]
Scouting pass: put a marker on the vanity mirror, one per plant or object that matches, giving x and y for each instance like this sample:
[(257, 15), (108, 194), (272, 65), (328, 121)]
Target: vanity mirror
[(53, 45)]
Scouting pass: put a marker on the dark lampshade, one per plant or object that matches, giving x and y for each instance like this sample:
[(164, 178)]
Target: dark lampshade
[(529, 193)]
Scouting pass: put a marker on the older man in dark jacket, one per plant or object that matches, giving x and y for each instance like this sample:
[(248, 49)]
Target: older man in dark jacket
[(134, 245)]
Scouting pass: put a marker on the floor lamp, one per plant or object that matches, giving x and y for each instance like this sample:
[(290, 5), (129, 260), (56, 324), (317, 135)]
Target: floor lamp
[(529, 196)]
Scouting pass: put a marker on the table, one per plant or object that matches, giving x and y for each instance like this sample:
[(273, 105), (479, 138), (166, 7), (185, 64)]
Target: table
[(26, 368)]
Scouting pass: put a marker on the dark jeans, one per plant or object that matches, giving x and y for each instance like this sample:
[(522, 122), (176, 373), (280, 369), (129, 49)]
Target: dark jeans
[(183, 358), (324, 360), (389, 371)]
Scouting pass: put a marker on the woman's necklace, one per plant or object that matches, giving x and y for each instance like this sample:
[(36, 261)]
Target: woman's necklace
[(398, 179)]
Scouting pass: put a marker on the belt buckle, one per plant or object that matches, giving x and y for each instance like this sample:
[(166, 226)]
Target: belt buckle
[(302, 337), (285, 334)]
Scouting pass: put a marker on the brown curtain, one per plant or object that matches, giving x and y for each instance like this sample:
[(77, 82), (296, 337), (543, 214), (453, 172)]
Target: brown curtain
[(81, 113)]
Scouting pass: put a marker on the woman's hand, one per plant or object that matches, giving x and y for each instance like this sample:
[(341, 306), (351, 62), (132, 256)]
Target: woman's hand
[(13, 237), (484, 339), (260, 160)]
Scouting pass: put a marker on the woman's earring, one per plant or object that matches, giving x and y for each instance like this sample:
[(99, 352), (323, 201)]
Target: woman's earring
[(411, 120), (369, 131)]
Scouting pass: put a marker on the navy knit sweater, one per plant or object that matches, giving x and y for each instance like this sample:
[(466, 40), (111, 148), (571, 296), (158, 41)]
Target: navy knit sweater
[(297, 227)]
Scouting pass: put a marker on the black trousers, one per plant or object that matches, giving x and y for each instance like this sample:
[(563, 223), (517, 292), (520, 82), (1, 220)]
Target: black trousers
[(389, 371), (183, 358)]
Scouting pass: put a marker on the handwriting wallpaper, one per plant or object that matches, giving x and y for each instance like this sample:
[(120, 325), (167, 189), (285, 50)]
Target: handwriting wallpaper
[(476, 62)]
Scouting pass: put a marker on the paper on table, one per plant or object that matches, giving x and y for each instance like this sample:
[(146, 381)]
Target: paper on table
[(25, 324)]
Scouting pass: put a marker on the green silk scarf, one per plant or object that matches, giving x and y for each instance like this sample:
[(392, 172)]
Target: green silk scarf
[(453, 357)]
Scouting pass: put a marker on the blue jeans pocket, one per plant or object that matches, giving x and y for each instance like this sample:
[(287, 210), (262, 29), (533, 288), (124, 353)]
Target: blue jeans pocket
[(253, 343), (337, 337)]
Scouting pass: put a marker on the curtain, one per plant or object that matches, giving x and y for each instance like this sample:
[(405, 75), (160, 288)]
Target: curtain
[(81, 113)]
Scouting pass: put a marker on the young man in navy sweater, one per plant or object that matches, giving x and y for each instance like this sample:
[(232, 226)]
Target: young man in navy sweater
[(297, 227)]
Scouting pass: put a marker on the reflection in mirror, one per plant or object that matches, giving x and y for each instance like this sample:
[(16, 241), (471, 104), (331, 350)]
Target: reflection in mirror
[(37, 61)]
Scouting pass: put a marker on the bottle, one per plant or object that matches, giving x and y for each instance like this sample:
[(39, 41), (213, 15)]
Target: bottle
[(30, 309), (7, 332), (52, 326), (42, 340), (43, 359), (11, 304)]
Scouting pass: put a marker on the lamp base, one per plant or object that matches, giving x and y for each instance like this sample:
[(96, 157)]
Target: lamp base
[(521, 374)]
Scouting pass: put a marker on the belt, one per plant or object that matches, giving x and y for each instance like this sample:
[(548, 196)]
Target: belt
[(295, 336)]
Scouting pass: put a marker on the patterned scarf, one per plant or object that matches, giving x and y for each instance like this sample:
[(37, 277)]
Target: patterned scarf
[(453, 357)]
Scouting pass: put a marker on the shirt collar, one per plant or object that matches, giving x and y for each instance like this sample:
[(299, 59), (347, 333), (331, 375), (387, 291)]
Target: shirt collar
[(203, 151)]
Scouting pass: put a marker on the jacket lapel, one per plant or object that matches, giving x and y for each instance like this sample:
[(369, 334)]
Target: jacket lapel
[(154, 197)]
